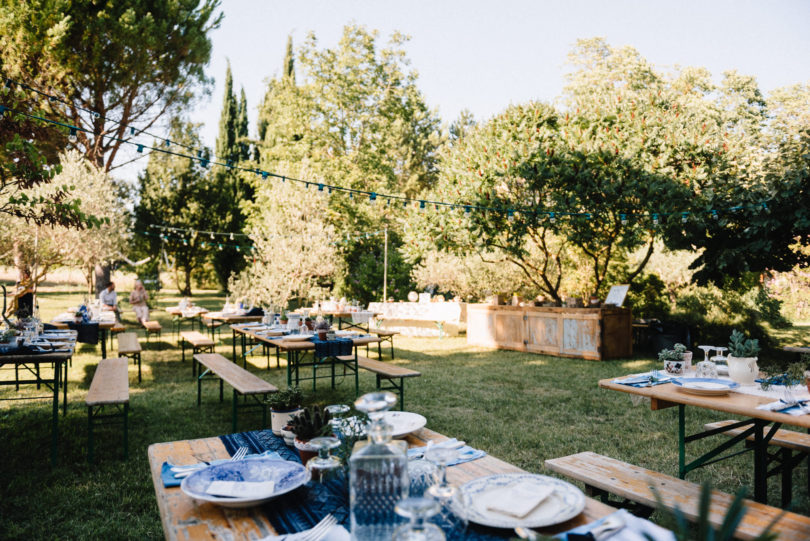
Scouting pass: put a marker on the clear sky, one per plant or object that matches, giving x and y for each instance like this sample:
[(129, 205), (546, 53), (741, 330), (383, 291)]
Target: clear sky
[(485, 55)]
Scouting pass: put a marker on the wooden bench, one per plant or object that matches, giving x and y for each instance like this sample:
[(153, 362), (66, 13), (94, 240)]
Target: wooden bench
[(128, 346), (199, 344), (110, 387), (151, 327), (787, 440), (385, 336), (391, 373), (604, 475), (115, 329), (243, 383), (798, 350)]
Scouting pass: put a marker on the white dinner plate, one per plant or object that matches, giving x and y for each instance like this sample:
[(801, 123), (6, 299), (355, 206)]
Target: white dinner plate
[(286, 476), (565, 501), (298, 337), (404, 422), (705, 386)]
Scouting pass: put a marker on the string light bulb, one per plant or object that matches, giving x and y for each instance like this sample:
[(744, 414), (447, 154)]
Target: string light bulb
[(510, 216), (422, 205), (372, 198), (714, 215), (73, 136), (623, 218), (684, 217), (552, 218), (231, 237), (655, 219)]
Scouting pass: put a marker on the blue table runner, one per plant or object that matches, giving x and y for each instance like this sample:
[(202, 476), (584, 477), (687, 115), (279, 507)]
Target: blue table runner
[(305, 507)]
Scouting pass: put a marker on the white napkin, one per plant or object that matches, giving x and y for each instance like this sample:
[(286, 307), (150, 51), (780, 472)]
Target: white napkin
[(779, 405), (337, 533), (515, 500), (240, 489), (635, 529)]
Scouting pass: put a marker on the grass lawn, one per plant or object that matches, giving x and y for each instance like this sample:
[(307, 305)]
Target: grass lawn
[(520, 407)]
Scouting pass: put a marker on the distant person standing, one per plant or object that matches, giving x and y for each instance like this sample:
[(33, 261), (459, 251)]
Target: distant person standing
[(139, 299), (109, 298)]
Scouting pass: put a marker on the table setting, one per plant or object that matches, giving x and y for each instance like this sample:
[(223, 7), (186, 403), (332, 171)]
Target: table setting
[(323, 500)]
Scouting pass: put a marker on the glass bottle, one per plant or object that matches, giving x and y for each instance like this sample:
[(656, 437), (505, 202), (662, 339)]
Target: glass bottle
[(378, 473)]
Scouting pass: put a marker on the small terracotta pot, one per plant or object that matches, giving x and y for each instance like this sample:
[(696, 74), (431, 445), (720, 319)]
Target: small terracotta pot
[(310, 325), (322, 335), (305, 450)]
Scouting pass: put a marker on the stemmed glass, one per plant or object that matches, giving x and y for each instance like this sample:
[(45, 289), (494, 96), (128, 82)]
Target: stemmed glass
[(324, 466), (450, 499), (336, 413), (418, 511), (441, 457)]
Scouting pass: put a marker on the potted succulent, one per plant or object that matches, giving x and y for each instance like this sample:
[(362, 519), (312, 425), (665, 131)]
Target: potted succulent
[(310, 423), (284, 405), (322, 328), (676, 360), (742, 358)]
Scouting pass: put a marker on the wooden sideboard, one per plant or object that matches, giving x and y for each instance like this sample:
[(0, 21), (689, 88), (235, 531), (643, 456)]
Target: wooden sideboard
[(587, 333)]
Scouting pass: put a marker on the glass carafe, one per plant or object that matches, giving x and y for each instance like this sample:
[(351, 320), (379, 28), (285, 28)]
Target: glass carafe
[(378, 473)]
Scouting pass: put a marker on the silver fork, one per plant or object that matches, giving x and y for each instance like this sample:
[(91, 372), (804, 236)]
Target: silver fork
[(185, 471), (240, 454), (319, 531)]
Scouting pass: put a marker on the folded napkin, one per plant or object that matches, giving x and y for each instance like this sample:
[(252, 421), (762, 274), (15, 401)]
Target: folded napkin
[(644, 380), (169, 479), (783, 407), (635, 529), (516, 500), (465, 452), (337, 533), (240, 489)]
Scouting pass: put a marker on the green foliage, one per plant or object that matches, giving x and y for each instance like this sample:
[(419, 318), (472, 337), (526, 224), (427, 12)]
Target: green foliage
[(740, 346), (702, 528), (647, 298), (233, 190), (311, 423), (364, 279), (286, 399), (352, 115), (127, 60), (176, 192), (674, 354)]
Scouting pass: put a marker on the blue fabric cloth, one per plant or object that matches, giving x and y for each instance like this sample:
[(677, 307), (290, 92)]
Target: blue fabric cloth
[(87, 333), (306, 506), (332, 348), (644, 380)]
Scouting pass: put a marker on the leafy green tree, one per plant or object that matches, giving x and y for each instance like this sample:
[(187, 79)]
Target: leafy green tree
[(115, 63), (232, 148), (176, 192), (354, 115)]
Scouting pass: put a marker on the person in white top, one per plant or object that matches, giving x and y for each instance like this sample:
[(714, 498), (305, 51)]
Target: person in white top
[(109, 299)]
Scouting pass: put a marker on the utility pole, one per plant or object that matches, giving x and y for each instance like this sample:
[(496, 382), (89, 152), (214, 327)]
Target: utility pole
[(385, 267)]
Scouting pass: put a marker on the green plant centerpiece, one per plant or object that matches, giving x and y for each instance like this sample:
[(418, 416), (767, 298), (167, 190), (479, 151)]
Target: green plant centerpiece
[(322, 327), (312, 422), (742, 358), (676, 360), (283, 319), (7, 335), (284, 405)]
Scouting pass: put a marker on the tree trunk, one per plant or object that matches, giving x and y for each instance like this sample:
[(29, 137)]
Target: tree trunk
[(102, 273), (187, 288)]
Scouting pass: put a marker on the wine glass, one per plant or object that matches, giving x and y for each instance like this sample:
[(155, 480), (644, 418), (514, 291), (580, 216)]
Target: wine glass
[(324, 466), (418, 511), (336, 413), (452, 517), (441, 457)]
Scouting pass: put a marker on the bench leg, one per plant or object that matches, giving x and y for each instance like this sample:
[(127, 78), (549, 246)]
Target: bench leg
[(401, 394), (379, 350), (199, 388), (126, 431), (90, 434), (787, 477), (139, 367), (221, 398), (235, 404), (392, 347), (183, 348)]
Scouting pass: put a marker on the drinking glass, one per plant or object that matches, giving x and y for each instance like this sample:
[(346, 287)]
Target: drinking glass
[(418, 511), (324, 466), (441, 456), (336, 413), (422, 474)]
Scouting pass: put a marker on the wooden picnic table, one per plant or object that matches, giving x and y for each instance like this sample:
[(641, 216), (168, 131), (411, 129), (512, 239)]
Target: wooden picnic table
[(183, 518), (342, 316), (193, 313), (103, 328), (669, 395), (34, 363), (295, 349)]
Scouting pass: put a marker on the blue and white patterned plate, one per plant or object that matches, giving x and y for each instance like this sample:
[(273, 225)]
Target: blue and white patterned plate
[(564, 503), (286, 475)]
